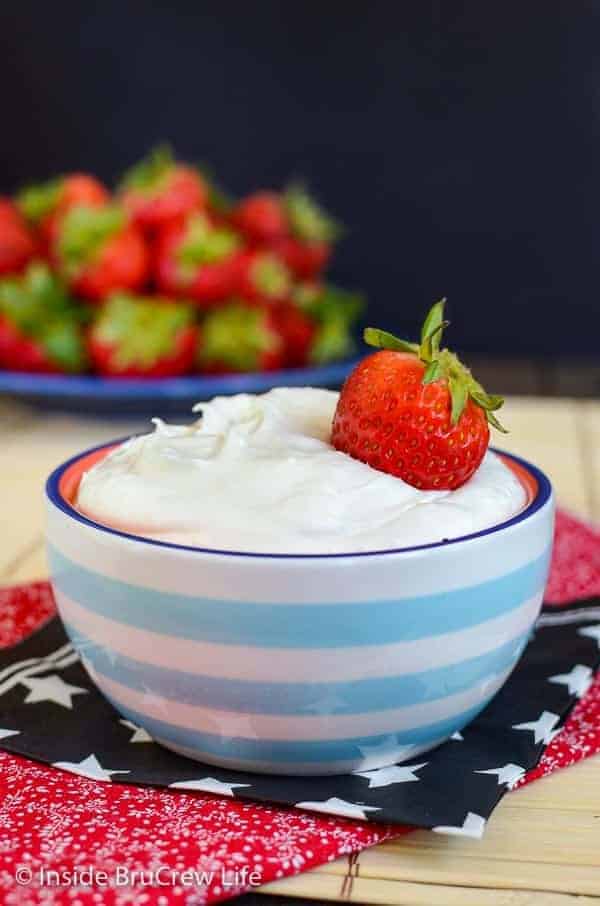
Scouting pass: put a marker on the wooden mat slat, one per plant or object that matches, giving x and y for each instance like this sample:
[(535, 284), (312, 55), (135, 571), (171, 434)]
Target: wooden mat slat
[(446, 867), (407, 893)]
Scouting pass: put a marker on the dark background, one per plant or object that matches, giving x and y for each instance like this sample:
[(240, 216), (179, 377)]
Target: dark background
[(459, 142)]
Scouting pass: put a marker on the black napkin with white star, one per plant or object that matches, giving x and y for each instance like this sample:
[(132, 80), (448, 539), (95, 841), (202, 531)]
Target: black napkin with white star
[(51, 711)]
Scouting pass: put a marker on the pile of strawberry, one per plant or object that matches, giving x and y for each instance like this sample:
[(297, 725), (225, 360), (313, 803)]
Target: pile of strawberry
[(166, 277)]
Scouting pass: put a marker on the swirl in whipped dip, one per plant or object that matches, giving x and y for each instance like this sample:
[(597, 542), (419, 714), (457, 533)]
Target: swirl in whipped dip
[(258, 473)]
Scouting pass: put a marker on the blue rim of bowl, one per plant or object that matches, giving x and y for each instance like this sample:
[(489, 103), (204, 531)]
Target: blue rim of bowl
[(544, 493)]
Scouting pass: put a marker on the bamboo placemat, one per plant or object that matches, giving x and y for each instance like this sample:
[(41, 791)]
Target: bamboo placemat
[(542, 845)]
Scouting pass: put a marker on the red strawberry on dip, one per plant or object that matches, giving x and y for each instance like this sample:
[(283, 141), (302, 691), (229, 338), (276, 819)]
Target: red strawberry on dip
[(413, 410)]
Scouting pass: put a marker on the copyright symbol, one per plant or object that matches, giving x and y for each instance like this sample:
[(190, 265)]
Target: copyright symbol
[(23, 875)]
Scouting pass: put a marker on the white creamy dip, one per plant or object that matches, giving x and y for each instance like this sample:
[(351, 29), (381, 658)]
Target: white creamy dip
[(258, 473)]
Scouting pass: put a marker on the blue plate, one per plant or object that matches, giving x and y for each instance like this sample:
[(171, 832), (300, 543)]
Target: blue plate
[(165, 396)]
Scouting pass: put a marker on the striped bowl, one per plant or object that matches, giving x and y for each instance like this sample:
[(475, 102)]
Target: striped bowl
[(298, 664)]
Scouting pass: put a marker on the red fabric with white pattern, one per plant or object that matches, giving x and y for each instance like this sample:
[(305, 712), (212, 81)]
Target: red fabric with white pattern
[(56, 820), (575, 574)]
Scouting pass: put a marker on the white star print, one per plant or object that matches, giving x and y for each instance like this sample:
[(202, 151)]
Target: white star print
[(562, 619), (578, 680), (383, 752), (592, 632), (51, 689), (139, 734), (542, 727), (208, 785), (88, 767), (4, 734), (457, 736), (393, 774), (334, 806), (508, 773), (472, 826)]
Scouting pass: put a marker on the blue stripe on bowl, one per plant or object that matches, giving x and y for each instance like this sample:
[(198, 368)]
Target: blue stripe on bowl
[(297, 625), (276, 750), (355, 697)]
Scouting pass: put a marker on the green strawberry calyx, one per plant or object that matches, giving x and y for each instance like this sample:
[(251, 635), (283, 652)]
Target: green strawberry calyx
[(38, 305), (141, 330), (236, 336), (205, 244), (63, 344), (84, 232), (441, 364), (219, 199), (37, 201), (335, 312), (307, 219), (271, 277), (332, 341), (322, 302), (150, 174)]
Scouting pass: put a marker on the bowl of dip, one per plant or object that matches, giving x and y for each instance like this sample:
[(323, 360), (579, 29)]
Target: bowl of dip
[(257, 600)]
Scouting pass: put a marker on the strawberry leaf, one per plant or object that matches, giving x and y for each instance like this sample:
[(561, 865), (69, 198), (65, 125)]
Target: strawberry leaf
[(84, 232), (459, 396), (322, 302), (36, 201), (487, 402), (204, 244), (494, 421), (219, 199), (271, 277), (150, 172), (332, 341), (63, 344), (384, 340), (307, 219), (431, 332), (141, 330), (236, 336), (433, 325), (38, 304), (34, 298), (432, 372)]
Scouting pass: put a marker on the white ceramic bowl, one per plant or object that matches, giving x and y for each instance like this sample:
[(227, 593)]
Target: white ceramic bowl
[(298, 664)]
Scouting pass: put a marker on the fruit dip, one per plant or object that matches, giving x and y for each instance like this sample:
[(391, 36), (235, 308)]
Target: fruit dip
[(259, 474)]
